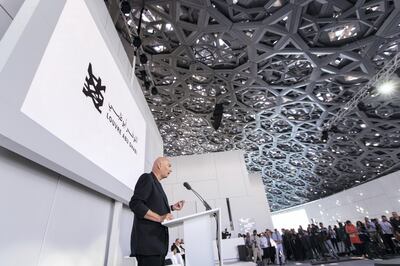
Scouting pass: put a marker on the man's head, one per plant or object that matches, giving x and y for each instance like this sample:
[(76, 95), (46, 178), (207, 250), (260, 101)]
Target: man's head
[(161, 168), (395, 215), (384, 218)]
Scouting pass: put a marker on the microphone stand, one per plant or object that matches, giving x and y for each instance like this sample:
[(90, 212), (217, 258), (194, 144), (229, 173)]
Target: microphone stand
[(208, 207)]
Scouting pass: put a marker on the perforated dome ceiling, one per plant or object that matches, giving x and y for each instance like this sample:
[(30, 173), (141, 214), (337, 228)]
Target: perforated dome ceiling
[(282, 69)]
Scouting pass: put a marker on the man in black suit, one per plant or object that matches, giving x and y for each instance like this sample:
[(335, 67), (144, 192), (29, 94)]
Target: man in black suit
[(149, 238)]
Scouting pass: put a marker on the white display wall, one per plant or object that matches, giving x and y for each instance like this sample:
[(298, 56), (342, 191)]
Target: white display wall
[(76, 108), (217, 176), (8, 10), (47, 219), (373, 199)]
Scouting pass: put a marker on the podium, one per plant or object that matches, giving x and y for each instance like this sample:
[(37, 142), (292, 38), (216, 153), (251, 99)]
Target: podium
[(199, 237)]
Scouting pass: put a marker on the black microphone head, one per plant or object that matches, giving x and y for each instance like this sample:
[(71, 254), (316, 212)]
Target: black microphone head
[(187, 186)]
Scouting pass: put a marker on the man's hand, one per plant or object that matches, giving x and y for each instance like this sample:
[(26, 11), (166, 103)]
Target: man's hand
[(166, 217), (178, 206)]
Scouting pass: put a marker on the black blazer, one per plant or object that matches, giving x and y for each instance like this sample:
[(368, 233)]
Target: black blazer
[(148, 237)]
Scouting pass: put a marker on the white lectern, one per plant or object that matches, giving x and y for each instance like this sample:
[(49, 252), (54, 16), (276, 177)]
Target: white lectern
[(199, 237)]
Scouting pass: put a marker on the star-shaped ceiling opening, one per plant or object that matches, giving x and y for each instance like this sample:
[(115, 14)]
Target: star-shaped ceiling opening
[(281, 69)]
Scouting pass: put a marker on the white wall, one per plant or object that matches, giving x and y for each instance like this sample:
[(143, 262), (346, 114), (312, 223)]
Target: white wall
[(75, 167), (8, 10), (373, 199), (217, 176), (46, 219)]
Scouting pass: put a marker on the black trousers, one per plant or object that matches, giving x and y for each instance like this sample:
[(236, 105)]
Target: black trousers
[(388, 242), (156, 260)]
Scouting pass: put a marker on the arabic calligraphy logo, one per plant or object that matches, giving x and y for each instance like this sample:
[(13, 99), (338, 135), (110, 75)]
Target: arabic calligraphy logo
[(93, 89)]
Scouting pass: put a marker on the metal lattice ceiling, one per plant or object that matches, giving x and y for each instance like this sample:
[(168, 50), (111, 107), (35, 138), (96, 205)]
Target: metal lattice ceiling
[(281, 69)]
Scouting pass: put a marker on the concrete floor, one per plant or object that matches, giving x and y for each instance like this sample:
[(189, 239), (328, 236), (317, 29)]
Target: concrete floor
[(344, 263)]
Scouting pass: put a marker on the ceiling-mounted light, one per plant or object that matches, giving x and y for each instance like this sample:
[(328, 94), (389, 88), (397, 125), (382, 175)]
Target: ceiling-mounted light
[(126, 7), (277, 3), (146, 85), (324, 136), (154, 90), (143, 59), (387, 87), (136, 41), (217, 115)]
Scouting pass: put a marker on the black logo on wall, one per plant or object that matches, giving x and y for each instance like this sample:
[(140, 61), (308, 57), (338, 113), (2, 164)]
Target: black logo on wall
[(118, 121), (93, 89)]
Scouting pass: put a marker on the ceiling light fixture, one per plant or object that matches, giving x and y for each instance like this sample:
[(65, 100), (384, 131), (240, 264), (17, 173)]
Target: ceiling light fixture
[(154, 90), (387, 87), (126, 8), (217, 115), (324, 136)]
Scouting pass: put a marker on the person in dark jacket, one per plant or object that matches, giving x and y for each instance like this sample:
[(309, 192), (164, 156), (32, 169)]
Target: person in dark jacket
[(149, 238)]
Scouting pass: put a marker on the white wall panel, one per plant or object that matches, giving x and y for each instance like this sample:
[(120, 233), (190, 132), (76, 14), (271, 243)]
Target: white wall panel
[(218, 176), (204, 166), (125, 226), (12, 6), (373, 199), (46, 219), (27, 192), (227, 172), (77, 231), (5, 21)]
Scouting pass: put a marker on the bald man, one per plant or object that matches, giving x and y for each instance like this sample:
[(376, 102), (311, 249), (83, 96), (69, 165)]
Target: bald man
[(149, 238)]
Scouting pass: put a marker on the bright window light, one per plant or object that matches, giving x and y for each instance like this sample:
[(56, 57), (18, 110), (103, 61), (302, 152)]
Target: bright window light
[(290, 219), (387, 87), (343, 32), (169, 27), (350, 78), (277, 3)]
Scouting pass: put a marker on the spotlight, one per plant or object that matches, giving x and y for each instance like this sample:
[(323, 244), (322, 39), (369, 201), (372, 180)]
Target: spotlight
[(154, 91), (142, 74), (324, 136), (146, 85), (387, 87), (125, 7), (136, 41), (143, 59), (217, 115)]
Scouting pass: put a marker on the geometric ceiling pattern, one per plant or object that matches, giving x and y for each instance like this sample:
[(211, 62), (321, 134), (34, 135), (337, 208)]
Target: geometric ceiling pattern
[(281, 69)]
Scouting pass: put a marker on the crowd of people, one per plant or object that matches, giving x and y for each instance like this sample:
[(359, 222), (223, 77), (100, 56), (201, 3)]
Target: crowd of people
[(371, 238)]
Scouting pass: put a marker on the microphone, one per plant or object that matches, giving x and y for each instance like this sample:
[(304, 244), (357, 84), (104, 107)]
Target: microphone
[(188, 187)]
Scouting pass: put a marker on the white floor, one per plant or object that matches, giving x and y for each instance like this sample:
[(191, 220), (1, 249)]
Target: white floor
[(345, 263)]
